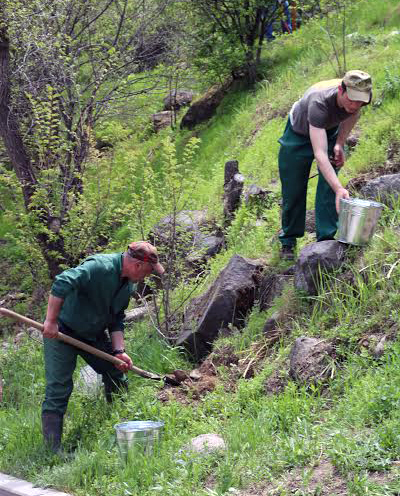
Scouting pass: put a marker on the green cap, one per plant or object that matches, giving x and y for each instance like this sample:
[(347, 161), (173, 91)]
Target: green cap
[(358, 86)]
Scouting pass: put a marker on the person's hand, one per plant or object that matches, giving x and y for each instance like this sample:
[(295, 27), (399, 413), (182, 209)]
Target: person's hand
[(341, 193), (50, 329), (127, 365), (339, 156)]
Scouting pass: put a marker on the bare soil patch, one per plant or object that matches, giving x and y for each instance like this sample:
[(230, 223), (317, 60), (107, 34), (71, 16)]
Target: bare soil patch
[(201, 381)]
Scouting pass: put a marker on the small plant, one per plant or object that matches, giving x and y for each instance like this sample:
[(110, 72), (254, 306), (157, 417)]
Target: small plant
[(390, 88)]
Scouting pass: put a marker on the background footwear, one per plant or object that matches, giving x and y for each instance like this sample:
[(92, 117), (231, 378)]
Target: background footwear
[(287, 252)]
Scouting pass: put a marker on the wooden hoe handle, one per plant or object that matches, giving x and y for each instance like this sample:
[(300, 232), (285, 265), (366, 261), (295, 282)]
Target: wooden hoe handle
[(79, 344)]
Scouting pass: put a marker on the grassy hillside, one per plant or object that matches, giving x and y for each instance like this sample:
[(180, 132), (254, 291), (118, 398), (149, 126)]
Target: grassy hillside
[(337, 436)]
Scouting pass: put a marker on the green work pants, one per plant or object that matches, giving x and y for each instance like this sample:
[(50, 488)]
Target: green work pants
[(60, 363), (295, 158)]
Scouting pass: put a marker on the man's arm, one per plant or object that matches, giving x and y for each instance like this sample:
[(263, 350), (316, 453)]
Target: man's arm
[(118, 343), (345, 128), (50, 326), (319, 143)]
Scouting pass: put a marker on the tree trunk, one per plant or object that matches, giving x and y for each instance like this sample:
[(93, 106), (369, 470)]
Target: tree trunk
[(9, 129), (52, 249), (250, 68)]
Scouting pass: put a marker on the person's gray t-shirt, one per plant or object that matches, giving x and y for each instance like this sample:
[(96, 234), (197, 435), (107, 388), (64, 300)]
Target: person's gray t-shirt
[(318, 107)]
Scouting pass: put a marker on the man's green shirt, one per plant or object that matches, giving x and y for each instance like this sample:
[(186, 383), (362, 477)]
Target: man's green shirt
[(95, 296)]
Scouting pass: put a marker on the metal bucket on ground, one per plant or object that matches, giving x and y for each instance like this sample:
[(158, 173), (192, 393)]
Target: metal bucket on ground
[(357, 220), (138, 436)]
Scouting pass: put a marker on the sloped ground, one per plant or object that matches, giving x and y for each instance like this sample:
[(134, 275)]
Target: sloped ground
[(322, 480), (391, 166)]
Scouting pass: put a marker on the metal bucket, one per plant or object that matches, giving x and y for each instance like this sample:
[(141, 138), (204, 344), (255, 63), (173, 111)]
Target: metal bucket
[(357, 220), (138, 436)]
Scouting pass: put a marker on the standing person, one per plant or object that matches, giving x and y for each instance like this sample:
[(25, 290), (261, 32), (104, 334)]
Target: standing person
[(286, 20), (318, 126), (88, 303), (274, 10)]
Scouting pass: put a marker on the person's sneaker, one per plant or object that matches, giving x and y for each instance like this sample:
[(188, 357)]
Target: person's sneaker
[(287, 252)]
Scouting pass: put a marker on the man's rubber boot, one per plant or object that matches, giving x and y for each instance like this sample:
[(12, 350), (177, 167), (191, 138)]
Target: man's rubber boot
[(52, 427)]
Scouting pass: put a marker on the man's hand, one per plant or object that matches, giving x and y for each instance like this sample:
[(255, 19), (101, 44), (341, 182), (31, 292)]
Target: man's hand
[(339, 155), (128, 362), (341, 193), (50, 329)]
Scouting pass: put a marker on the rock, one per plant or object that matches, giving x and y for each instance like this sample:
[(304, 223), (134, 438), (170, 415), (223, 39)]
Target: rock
[(180, 375), (138, 313), (310, 359), (204, 108), (383, 189), (206, 443), (272, 322), (195, 375), (89, 382), (204, 247), (227, 301), (379, 348), (177, 99), (35, 334), (316, 258), (271, 287), (196, 238), (161, 120)]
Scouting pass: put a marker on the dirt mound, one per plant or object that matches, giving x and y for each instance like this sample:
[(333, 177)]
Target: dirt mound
[(201, 381), (193, 387)]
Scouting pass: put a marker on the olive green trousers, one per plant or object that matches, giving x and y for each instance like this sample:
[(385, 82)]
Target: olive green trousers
[(60, 362), (295, 158)]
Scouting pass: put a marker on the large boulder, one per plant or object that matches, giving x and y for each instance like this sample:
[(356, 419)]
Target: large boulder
[(314, 260), (383, 188), (226, 302), (177, 99)]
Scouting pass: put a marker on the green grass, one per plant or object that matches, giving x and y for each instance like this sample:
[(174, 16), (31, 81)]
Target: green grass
[(350, 420)]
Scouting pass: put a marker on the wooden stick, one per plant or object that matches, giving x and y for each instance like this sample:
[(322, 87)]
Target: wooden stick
[(79, 344)]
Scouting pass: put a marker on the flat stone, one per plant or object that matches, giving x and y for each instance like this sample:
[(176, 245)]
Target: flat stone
[(207, 443), (11, 486)]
